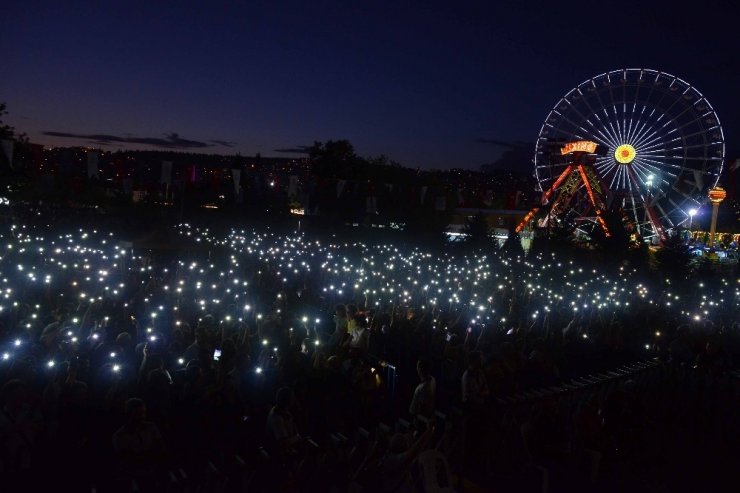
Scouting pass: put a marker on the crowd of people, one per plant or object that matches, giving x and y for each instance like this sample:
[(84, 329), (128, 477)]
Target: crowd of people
[(120, 366)]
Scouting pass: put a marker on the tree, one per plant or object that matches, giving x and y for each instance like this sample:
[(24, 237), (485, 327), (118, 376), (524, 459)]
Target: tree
[(477, 231), (425, 228), (616, 246), (674, 259), (7, 131), (512, 247), (333, 158)]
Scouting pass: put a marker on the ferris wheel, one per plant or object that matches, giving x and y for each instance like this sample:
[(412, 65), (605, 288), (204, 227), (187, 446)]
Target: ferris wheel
[(661, 141)]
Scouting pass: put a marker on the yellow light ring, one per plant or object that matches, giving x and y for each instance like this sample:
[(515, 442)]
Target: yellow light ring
[(625, 154)]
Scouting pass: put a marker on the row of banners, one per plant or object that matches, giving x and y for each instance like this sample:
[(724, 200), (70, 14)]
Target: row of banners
[(7, 146), (440, 201)]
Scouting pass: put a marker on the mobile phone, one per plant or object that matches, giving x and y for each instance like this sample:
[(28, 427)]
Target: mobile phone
[(216, 354)]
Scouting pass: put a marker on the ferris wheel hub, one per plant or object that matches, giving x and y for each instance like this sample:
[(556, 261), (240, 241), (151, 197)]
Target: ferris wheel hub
[(625, 154)]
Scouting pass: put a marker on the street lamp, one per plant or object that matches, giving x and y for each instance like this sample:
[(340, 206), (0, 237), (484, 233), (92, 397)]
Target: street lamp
[(692, 213)]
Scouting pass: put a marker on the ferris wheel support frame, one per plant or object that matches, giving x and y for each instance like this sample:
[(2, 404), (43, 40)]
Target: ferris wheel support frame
[(577, 169), (651, 213)]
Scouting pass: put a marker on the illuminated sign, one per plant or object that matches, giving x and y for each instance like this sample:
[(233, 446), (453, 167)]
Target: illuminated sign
[(717, 195), (579, 146), (298, 211), (624, 154)]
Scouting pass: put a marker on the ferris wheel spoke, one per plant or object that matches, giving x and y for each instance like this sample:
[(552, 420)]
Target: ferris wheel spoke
[(645, 133), (689, 136), (641, 125), (654, 105), (605, 133), (684, 158), (614, 133), (632, 199), (611, 183), (575, 126), (664, 216), (590, 135), (676, 207), (628, 136), (606, 168), (623, 178), (620, 131), (603, 161), (658, 105), (639, 172), (656, 145), (658, 167), (688, 108), (684, 125), (655, 152), (656, 132), (683, 194), (644, 105), (691, 158), (610, 139), (604, 138), (655, 139)]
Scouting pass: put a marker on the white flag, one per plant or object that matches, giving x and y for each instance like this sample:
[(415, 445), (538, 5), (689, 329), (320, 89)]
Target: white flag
[(166, 172), (236, 174), (488, 198), (92, 164), (8, 150), (293, 186)]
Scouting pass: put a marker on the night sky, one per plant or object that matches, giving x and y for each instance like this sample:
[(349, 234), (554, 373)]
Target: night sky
[(419, 84)]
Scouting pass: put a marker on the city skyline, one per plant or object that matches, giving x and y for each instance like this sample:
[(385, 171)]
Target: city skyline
[(431, 87)]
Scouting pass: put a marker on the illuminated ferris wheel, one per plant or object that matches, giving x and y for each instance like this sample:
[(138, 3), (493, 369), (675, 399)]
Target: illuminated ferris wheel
[(661, 143)]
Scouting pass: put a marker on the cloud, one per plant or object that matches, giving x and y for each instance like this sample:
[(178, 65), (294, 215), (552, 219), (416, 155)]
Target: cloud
[(224, 143), (293, 150), (500, 143), (169, 141)]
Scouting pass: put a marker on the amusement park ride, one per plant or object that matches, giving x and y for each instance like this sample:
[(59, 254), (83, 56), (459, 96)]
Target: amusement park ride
[(637, 141)]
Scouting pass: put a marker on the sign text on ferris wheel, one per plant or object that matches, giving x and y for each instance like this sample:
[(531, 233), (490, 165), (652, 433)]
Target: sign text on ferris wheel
[(579, 146)]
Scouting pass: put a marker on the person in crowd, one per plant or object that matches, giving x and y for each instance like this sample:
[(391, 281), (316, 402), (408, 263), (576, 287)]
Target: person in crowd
[(360, 334), (475, 392), (340, 327), (138, 444), (18, 430), (77, 357), (281, 426), (395, 470), (425, 394)]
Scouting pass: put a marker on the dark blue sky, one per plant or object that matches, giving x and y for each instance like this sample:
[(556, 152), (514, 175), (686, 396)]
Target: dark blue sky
[(419, 84)]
